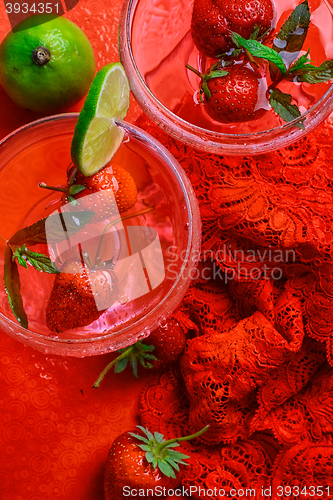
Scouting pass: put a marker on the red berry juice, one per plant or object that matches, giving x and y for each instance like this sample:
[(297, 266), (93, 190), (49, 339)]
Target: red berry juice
[(144, 282)]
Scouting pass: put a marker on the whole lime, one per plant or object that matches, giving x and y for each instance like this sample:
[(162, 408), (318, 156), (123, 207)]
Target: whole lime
[(46, 63)]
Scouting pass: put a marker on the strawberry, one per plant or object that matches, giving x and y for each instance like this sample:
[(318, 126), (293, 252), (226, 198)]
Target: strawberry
[(137, 464), (110, 191), (213, 20), (230, 94), (167, 342), (113, 179), (79, 296)]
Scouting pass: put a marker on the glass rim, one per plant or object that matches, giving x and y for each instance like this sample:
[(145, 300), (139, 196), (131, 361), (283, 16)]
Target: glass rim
[(177, 170), (127, 12)]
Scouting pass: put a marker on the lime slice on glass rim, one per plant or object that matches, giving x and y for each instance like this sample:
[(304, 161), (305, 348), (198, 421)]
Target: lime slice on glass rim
[(96, 136)]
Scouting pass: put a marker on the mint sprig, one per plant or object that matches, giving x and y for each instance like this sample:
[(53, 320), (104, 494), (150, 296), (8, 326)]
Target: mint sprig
[(39, 261), (281, 103), (294, 30), (304, 71), (291, 36), (13, 288), (257, 49), (57, 226)]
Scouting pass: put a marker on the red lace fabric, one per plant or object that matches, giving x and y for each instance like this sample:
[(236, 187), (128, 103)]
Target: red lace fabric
[(248, 463), (308, 468), (258, 361)]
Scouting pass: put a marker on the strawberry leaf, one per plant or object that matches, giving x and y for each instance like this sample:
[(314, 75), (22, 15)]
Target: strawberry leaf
[(71, 222), (134, 366), (255, 33), (76, 188), (38, 260), (72, 200), (144, 447), (257, 49), (158, 436), (121, 365), (13, 288), (149, 456), (137, 436), (172, 463), (216, 74), (281, 103), (165, 468)]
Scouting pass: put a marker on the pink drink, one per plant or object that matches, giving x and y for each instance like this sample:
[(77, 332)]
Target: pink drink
[(144, 283), (162, 46)]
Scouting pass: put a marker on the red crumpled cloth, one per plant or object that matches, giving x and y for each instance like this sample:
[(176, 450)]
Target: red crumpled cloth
[(258, 366)]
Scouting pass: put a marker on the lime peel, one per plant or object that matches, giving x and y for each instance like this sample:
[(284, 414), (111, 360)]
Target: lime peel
[(96, 136)]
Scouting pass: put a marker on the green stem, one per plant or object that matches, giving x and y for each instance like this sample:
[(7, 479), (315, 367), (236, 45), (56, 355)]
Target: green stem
[(160, 447), (194, 70), (52, 188), (251, 58), (110, 365)]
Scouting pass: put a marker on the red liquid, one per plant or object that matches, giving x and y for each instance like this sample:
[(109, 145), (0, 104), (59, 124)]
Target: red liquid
[(23, 202), (162, 46)]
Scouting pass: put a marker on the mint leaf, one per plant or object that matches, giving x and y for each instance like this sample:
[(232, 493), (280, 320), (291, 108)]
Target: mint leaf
[(281, 103), (257, 49), (13, 288), (300, 64), (291, 36), (21, 260), (36, 233), (312, 74), (38, 260), (294, 30)]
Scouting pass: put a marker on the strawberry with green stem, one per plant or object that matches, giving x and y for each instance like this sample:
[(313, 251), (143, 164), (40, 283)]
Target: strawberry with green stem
[(143, 462), (108, 192), (230, 94), (162, 348), (82, 291)]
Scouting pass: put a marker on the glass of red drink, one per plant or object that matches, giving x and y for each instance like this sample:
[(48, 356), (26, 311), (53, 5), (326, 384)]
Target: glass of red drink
[(155, 45), (154, 247)]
